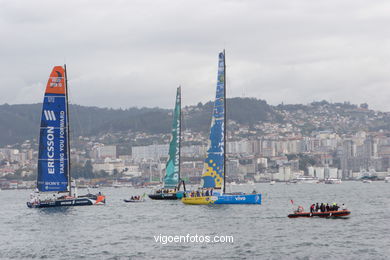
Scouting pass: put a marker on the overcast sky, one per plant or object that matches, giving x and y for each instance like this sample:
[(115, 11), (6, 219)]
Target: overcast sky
[(135, 53)]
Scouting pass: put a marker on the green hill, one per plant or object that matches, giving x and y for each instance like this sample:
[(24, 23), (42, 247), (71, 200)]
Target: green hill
[(21, 122)]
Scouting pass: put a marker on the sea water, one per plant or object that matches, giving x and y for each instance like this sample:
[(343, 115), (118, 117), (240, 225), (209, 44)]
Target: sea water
[(120, 230)]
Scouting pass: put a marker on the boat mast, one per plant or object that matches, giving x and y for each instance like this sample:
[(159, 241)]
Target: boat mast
[(224, 122), (67, 131), (179, 92)]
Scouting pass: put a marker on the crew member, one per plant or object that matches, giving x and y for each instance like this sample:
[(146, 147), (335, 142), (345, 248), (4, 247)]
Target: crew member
[(312, 208)]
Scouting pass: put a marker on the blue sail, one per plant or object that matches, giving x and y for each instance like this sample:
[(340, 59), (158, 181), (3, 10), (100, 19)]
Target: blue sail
[(53, 143), (213, 173)]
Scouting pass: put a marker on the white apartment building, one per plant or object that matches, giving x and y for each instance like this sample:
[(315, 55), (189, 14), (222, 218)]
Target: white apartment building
[(153, 152)]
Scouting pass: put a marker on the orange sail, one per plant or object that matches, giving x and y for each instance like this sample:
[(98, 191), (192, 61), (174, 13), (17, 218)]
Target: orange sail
[(56, 82)]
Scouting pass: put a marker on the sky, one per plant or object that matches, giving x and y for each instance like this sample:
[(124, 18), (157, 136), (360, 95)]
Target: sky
[(126, 53)]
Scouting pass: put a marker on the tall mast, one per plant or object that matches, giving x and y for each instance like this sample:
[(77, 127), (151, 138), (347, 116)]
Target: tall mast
[(224, 122), (179, 91), (67, 131)]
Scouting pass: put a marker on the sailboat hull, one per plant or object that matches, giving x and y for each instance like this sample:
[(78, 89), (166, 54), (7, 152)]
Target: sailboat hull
[(82, 201), (163, 196), (224, 199)]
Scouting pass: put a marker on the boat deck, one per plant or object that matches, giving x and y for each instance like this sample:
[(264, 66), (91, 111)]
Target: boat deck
[(234, 198)]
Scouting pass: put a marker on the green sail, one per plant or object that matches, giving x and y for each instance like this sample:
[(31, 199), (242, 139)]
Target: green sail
[(172, 169)]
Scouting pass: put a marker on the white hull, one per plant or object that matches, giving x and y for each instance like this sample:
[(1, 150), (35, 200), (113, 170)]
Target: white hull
[(307, 180), (333, 181)]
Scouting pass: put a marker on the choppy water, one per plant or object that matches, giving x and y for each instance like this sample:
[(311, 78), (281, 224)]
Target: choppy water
[(120, 230)]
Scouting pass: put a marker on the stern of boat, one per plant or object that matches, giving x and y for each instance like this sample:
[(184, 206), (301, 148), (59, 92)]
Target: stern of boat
[(100, 200)]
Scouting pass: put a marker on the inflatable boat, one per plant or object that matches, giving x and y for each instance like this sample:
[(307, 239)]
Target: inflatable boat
[(132, 200), (326, 214)]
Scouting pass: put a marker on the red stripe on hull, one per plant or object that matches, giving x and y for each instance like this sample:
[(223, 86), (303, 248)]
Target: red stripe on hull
[(327, 214)]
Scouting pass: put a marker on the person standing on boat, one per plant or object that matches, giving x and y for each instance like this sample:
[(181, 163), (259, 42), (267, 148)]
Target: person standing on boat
[(312, 208), (317, 207)]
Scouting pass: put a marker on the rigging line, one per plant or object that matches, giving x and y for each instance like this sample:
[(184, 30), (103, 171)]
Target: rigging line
[(76, 119)]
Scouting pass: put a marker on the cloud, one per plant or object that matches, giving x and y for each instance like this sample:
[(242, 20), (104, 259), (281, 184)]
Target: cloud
[(135, 53)]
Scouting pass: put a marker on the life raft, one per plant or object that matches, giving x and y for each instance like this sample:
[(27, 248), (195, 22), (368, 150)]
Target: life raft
[(327, 214), (130, 200)]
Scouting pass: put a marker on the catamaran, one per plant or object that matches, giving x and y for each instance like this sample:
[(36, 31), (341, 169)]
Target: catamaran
[(213, 181), (172, 181), (54, 188)]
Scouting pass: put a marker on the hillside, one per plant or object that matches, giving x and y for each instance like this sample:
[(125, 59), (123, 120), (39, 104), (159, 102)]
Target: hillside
[(21, 122)]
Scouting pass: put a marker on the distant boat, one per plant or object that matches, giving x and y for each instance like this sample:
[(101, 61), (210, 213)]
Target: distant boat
[(135, 199), (54, 172), (121, 184), (306, 179), (387, 179), (366, 181), (116, 184), (172, 182), (213, 182), (332, 181), (272, 182)]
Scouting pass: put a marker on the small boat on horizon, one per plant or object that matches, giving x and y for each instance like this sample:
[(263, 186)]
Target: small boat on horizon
[(332, 181), (117, 184), (307, 180)]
